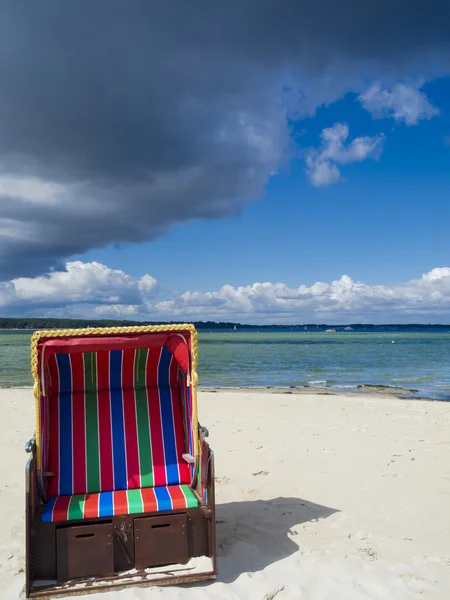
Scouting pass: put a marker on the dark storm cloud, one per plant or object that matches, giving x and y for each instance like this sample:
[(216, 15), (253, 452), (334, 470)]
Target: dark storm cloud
[(118, 119)]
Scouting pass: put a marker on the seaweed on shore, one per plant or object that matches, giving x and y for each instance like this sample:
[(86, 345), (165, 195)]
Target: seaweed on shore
[(386, 387)]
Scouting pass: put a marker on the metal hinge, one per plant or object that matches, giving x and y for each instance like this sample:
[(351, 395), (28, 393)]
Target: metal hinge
[(30, 445)]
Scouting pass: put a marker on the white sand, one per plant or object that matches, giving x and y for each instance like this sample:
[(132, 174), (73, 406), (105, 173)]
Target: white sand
[(318, 497)]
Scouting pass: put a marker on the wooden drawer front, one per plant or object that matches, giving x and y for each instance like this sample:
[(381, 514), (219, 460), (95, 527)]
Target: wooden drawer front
[(84, 551), (160, 541)]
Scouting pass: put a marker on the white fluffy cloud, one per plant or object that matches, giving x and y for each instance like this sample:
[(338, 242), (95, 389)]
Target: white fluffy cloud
[(402, 102), (343, 300), (321, 163), (92, 290), (91, 284)]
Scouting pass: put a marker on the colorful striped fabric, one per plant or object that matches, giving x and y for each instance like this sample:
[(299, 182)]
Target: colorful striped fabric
[(123, 502), (115, 422)]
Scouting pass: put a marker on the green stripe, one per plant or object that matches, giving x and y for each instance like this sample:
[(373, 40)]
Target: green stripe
[(143, 423), (76, 508), (135, 504), (191, 500), (92, 441)]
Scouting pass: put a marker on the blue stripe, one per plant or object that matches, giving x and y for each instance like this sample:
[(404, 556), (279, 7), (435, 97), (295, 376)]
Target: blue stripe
[(106, 506), (117, 420), (47, 512), (65, 426), (164, 367), (165, 395), (163, 498)]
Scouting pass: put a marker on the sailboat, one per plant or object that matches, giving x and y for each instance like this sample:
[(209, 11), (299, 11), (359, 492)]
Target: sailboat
[(348, 328)]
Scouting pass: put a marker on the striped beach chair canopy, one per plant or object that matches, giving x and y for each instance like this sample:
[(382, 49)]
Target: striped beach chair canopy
[(116, 420)]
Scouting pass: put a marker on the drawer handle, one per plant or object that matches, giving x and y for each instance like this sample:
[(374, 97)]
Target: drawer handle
[(84, 535), (160, 526)]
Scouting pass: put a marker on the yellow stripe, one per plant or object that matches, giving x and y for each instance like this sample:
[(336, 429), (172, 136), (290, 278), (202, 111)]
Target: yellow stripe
[(136, 364)]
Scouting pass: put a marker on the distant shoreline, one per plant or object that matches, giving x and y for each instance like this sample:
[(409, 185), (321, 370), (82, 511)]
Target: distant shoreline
[(34, 324)]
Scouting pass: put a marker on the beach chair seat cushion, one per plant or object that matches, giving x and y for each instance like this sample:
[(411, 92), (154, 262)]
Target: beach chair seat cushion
[(121, 502)]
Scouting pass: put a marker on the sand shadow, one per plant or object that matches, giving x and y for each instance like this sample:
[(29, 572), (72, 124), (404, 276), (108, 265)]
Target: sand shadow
[(254, 534)]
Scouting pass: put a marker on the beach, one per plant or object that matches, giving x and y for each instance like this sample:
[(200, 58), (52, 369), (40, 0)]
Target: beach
[(319, 496)]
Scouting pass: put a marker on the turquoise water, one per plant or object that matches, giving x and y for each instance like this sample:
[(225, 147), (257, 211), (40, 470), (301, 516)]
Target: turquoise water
[(299, 358)]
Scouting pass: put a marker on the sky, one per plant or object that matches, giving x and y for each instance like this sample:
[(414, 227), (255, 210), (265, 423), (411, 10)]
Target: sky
[(226, 161)]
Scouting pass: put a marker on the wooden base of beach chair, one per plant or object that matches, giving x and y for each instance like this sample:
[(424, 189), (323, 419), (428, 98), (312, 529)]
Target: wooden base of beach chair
[(94, 554)]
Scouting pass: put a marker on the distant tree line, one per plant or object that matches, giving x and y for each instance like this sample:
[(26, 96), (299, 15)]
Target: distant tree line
[(49, 323)]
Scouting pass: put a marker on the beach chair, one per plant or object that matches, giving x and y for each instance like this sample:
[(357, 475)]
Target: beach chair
[(120, 483)]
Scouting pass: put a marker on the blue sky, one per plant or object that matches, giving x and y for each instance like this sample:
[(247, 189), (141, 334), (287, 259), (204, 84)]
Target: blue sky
[(279, 167), (386, 222)]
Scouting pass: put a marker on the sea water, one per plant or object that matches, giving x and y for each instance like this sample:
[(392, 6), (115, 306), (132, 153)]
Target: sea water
[(280, 358)]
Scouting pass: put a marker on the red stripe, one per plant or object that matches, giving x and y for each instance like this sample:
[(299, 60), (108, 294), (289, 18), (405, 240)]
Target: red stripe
[(51, 374), (78, 426), (173, 373), (183, 467), (130, 423), (44, 433), (77, 365), (91, 506), (61, 508), (120, 502), (104, 417), (152, 366), (53, 400), (43, 403), (177, 496), (149, 500), (154, 409)]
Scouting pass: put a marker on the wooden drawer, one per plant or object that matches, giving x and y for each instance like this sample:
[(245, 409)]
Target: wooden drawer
[(160, 540), (84, 551)]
